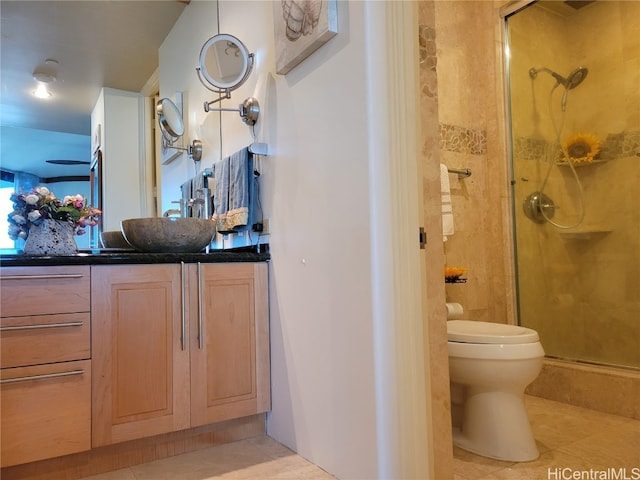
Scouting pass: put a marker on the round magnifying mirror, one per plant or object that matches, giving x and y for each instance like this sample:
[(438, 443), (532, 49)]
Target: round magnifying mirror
[(225, 62), (170, 120)]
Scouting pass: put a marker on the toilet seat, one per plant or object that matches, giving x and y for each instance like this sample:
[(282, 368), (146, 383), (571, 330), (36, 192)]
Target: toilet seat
[(473, 331)]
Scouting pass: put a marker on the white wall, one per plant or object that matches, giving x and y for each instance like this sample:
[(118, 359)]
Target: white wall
[(315, 188), (120, 116)]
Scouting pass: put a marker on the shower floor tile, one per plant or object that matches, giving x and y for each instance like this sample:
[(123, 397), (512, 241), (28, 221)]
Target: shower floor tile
[(570, 439)]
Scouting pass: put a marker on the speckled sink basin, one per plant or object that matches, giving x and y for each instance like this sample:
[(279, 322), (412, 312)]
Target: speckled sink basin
[(168, 234), (114, 239)]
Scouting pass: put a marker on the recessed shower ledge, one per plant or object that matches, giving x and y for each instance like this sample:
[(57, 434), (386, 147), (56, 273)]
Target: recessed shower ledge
[(563, 163), (584, 233)]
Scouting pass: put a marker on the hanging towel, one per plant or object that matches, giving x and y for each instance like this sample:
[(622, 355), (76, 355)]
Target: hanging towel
[(447, 211), (232, 195), (238, 214), (221, 194)]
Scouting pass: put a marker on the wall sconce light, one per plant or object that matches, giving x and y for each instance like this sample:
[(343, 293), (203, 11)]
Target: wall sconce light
[(44, 75)]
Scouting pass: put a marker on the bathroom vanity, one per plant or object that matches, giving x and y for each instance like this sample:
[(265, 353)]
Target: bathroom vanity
[(104, 348)]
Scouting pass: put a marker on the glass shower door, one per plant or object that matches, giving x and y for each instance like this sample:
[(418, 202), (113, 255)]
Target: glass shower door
[(574, 80)]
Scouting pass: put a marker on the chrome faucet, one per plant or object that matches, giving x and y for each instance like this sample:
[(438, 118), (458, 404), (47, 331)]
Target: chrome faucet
[(172, 212), (175, 211), (199, 207)]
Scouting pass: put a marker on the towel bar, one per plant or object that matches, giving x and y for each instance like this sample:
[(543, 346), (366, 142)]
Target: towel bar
[(259, 148), (462, 173)]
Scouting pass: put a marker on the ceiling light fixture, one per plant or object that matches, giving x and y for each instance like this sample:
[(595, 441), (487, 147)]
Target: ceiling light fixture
[(41, 91), (45, 74)]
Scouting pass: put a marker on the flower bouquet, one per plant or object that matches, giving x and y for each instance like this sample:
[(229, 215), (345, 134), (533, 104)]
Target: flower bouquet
[(41, 204), (454, 275)]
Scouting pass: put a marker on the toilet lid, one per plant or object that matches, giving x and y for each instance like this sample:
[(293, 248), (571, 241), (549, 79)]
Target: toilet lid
[(473, 331)]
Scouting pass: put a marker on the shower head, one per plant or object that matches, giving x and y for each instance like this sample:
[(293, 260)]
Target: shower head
[(574, 79)]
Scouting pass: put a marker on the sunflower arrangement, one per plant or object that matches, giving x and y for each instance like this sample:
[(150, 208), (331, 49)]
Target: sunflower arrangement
[(581, 148)]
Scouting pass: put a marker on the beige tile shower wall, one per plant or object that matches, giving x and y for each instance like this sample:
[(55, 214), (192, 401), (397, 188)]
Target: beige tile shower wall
[(471, 136)]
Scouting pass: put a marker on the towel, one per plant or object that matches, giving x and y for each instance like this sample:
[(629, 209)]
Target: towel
[(447, 211), (238, 214), (221, 194), (231, 199)]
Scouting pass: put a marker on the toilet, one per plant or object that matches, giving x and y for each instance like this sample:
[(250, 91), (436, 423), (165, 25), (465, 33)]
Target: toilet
[(490, 365)]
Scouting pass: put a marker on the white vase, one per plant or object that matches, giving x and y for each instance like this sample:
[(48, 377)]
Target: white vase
[(51, 237)]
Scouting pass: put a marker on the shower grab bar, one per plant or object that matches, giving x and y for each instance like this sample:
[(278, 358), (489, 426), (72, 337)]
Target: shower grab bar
[(462, 172)]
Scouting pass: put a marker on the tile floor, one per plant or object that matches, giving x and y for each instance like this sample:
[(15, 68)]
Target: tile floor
[(571, 440), (259, 458), (574, 443)]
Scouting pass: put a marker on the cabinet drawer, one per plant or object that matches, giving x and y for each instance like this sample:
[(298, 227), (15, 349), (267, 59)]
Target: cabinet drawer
[(42, 339), (45, 411), (44, 290)]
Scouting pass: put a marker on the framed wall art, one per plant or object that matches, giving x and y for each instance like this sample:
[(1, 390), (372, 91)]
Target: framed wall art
[(301, 27)]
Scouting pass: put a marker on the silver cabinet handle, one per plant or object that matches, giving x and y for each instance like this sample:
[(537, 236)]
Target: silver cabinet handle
[(200, 327), (42, 377), (42, 277), (42, 325), (184, 325)]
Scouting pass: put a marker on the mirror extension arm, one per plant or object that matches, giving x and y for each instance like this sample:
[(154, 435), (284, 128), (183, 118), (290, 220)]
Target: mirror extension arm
[(249, 110), (194, 150)]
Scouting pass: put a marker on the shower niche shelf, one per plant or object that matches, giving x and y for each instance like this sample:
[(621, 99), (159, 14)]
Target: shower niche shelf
[(585, 233), (563, 163)]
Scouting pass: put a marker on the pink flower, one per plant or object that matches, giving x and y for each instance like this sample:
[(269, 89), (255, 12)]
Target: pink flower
[(76, 201)]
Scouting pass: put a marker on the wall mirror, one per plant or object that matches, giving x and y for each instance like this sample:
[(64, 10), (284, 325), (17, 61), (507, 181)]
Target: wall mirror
[(225, 63), (172, 128), (60, 127), (170, 120)]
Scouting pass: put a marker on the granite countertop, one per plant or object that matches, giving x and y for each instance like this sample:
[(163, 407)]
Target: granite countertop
[(121, 256)]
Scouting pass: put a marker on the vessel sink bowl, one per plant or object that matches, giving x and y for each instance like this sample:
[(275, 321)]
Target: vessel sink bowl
[(168, 234), (114, 239)]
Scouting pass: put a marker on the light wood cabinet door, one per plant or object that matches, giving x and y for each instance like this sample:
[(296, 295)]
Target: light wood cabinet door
[(140, 352), (45, 411), (229, 341)]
